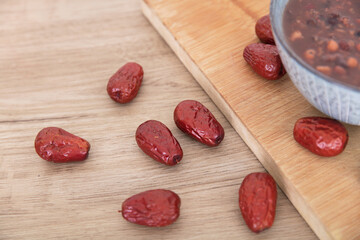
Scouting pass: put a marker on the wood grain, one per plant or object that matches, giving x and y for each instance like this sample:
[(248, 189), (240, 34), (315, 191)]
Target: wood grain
[(208, 37), (55, 60)]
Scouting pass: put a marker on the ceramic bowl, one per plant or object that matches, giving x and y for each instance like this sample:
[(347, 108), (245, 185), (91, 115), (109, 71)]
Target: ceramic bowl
[(333, 98)]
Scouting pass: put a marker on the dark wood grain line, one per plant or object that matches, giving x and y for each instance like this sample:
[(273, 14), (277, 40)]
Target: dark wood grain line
[(239, 4), (211, 188), (42, 119)]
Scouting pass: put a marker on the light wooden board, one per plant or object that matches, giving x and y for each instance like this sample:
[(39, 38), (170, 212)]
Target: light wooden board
[(209, 36), (55, 60)]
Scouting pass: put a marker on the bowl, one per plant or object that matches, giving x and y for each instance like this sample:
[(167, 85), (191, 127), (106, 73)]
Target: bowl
[(333, 98)]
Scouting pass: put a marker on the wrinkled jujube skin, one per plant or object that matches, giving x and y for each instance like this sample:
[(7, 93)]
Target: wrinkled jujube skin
[(56, 145), (198, 122), (323, 136), (124, 85), (153, 208), (157, 141), (264, 60), (257, 201), (263, 30)]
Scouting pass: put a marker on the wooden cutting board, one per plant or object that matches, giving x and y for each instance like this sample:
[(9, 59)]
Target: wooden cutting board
[(209, 36)]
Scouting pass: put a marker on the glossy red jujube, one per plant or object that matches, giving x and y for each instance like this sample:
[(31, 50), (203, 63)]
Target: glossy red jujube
[(154, 208), (157, 141), (263, 30), (59, 146), (197, 121), (257, 201), (264, 60), (124, 85), (322, 136)]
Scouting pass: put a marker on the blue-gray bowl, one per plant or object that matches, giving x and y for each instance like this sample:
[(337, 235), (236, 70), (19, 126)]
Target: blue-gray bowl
[(333, 98)]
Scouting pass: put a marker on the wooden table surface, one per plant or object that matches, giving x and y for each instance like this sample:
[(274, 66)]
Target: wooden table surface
[(55, 61)]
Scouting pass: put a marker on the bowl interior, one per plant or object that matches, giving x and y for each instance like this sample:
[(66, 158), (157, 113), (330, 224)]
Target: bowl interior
[(277, 8)]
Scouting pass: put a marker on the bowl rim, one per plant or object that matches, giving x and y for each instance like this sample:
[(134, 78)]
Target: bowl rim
[(284, 44)]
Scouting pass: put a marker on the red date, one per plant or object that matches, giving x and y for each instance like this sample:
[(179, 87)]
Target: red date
[(59, 146), (257, 201), (264, 60), (197, 121), (124, 85), (154, 208), (322, 136), (157, 141), (263, 30)]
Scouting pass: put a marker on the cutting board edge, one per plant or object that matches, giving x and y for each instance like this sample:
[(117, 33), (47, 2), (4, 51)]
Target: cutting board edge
[(265, 159)]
